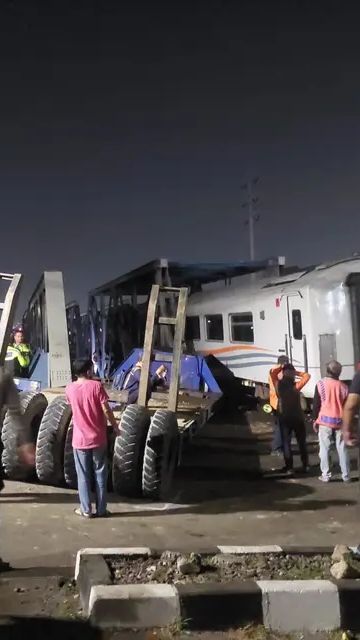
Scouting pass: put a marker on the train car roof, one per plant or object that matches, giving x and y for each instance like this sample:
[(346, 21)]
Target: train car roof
[(139, 280), (261, 283), (181, 274)]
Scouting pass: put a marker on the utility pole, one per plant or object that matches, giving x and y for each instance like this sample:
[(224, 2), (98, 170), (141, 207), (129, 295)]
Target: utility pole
[(250, 204)]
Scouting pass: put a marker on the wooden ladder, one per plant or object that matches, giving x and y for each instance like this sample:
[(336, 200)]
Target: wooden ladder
[(154, 320)]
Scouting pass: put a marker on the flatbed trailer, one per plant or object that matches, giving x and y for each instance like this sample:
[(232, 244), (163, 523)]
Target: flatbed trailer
[(152, 432)]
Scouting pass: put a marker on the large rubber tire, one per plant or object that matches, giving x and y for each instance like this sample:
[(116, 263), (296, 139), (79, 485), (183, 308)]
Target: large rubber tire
[(33, 406), (129, 451), (110, 453), (51, 442), (69, 461), (160, 456), (2, 416)]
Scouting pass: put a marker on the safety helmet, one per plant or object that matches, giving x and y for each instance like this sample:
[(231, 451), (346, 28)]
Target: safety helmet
[(18, 328)]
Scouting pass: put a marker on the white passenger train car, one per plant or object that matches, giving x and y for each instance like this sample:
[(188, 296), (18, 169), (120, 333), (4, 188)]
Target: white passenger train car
[(311, 315)]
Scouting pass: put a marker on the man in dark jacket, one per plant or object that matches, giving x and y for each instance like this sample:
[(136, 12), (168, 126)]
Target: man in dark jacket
[(9, 400), (291, 416)]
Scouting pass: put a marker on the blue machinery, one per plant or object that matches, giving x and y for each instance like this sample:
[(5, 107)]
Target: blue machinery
[(195, 374)]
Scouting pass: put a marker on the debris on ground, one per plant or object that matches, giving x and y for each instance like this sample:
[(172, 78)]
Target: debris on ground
[(346, 563), (189, 564), (26, 595), (173, 567), (339, 552)]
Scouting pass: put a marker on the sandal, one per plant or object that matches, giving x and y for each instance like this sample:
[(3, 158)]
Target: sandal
[(83, 514)]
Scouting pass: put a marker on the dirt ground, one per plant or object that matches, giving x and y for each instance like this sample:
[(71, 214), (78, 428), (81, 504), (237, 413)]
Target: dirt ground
[(226, 492), (219, 497)]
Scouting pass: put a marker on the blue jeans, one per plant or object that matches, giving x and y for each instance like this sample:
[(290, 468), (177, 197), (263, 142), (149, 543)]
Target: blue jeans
[(92, 463), (327, 438)]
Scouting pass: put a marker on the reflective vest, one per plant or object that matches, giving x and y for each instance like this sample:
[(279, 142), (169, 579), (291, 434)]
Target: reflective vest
[(333, 394), (20, 352)]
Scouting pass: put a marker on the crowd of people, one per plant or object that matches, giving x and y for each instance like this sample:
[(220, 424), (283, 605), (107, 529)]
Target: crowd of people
[(334, 408), (333, 411)]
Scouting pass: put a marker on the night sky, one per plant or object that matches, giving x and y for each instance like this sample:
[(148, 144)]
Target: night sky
[(128, 128)]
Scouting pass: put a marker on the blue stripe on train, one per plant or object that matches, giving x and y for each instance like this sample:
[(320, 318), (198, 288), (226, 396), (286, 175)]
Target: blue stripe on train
[(243, 365), (251, 355)]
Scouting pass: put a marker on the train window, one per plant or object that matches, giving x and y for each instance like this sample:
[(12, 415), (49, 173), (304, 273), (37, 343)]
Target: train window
[(192, 329), (297, 324), (242, 327), (214, 327)]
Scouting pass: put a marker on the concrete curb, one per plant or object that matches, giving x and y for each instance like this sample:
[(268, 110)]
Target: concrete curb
[(281, 605)]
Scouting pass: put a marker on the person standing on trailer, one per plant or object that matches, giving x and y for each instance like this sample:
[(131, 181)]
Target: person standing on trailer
[(291, 415), (330, 396), (20, 353), (95, 362), (132, 381), (91, 413)]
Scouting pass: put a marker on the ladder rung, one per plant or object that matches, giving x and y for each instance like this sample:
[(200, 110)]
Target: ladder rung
[(163, 320), (170, 289)]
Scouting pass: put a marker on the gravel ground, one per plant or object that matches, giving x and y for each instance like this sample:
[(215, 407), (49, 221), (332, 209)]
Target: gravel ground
[(172, 568)]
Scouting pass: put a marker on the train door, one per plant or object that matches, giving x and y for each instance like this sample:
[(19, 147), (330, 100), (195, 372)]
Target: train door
[(295, 339)]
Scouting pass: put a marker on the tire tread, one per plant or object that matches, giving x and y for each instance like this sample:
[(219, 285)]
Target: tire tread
[(51, 440), (129, 450), (32, 404)]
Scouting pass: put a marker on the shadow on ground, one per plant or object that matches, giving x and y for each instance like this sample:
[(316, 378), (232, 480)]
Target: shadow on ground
[(45, 628)]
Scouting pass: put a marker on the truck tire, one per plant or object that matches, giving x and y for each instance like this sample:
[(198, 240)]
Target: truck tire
[(33, 406), (110, 454), (129, 451), (51, 442), (69, 461), (2, 416), (160, 456)]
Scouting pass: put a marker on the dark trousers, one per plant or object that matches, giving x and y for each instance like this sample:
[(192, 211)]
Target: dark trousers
[(276, 444), (287, 428)]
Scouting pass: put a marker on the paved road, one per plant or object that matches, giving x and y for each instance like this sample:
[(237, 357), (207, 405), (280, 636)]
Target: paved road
[(219, 497)]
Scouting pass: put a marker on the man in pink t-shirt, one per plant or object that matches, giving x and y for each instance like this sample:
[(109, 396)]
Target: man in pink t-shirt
[(91, 413)]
